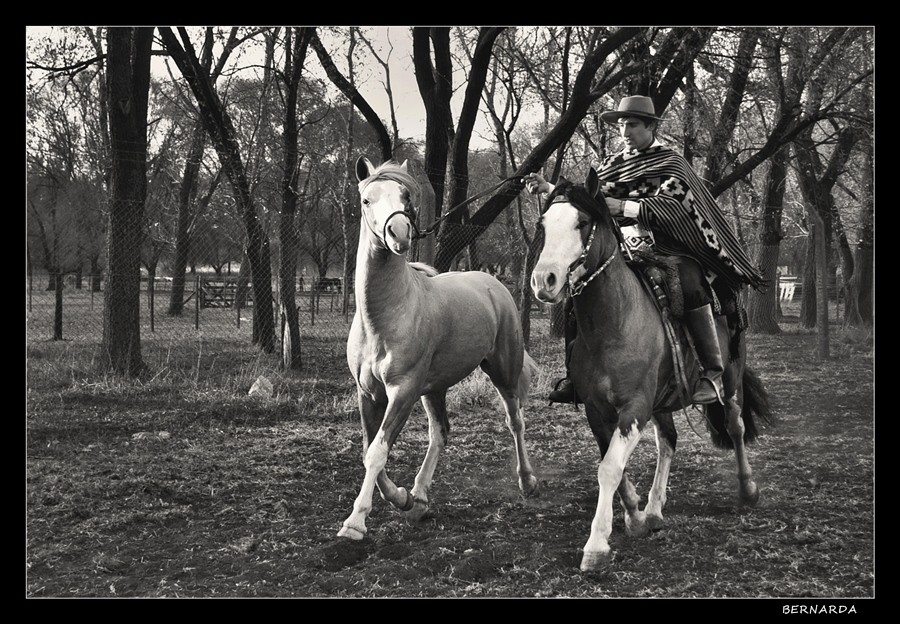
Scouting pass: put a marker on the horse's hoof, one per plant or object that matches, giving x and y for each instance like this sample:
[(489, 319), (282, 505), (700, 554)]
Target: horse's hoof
[(749, 493), (636, 524), (351, 533), (529, 487), (416, 505), (595, 561), (655, 522)]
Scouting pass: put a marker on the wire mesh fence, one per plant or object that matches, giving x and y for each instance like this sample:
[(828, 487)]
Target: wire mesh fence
[(215, 298)]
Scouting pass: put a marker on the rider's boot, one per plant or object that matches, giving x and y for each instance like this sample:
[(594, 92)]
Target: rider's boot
[(702, 326), (564, 390)]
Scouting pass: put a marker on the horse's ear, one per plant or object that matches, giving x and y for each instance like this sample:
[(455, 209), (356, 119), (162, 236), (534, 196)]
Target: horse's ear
[(364, 168), (403, 166), (592, 183)]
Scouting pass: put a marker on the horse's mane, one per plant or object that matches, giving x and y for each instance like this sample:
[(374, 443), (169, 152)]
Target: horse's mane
[(391, 170), (579, 197), (427, 269)]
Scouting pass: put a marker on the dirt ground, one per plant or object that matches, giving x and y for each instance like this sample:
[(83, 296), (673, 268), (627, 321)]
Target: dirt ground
[(143, 491)]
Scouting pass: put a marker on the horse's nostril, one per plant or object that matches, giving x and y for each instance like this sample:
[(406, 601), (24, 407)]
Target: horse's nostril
[(390, 231), (551, 280)]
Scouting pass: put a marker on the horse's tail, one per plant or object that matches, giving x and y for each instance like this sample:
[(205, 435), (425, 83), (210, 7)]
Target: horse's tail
[(530, 370), (755, 407)]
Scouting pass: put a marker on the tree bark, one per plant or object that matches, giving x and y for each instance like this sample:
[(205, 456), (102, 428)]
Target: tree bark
[(296, 42), (762, 306), (860, 300), (816, 184), (186, 196), (128, 82), (436, 88)]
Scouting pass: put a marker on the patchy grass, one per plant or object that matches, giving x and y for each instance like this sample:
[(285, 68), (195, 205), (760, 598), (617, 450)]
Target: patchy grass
[(180, 484)]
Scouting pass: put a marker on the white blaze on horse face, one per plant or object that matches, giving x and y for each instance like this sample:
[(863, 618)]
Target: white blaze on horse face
[(562, 247), (384, 203)]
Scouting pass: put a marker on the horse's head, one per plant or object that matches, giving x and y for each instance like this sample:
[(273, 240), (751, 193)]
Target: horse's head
[(387, 194), (577, 236)]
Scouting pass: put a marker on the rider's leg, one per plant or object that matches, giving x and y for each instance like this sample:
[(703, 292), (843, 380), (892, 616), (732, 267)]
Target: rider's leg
[(700, 322), (564, 392)]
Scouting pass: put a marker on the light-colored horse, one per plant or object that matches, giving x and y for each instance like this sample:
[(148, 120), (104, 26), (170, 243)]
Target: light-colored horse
[(622, 367), (417, 333)]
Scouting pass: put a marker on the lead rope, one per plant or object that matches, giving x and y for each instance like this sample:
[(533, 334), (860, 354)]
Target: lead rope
[(430, 229)]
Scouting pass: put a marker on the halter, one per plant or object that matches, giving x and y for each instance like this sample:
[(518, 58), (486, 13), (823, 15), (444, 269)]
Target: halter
[(408, 211)]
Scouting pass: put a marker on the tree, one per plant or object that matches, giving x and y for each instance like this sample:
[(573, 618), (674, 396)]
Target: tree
[(584, 93), (296, 41), (128, 84), (220, 129)]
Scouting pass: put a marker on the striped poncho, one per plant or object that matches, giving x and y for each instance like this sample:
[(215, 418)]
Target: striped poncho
[(679, 210)]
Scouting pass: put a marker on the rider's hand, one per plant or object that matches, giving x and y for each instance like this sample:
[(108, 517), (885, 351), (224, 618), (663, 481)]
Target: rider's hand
[(616, 206), (535, 183)]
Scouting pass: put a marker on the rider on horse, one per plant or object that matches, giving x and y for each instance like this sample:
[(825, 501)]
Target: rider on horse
[(661, 203)]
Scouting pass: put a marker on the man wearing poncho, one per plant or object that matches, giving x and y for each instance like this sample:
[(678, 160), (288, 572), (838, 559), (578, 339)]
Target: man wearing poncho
[(661, 203)]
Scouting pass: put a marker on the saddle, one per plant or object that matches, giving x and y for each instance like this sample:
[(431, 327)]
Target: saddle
[(659, 275)]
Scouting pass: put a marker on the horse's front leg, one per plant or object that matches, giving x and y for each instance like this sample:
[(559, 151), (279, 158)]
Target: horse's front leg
[(377, 449), (624, 439)]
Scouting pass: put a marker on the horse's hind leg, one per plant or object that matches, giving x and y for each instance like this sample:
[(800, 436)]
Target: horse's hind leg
[(515, 422), (635, 519), (749, 491), (666, 438), (435, 405), (513, 394)]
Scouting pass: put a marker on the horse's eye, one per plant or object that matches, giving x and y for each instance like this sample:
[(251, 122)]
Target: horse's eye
[(582, 224), (365, 202)]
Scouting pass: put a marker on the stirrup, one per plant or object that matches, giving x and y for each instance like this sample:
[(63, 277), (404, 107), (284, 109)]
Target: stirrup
[(702, 395)]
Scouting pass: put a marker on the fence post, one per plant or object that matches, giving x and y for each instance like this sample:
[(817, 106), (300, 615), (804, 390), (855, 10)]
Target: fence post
[(197, 302)]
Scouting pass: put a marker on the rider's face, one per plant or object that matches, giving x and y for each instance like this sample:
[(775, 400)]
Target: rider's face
[(637, 133)]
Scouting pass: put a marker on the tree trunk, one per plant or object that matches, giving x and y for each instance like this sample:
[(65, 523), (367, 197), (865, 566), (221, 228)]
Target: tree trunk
[(128, 81), (219, 126), (96, 274), (295, 55), (762, 306), (860, 300), (58, 307), (821, 261), (436, 88), (186, 195)]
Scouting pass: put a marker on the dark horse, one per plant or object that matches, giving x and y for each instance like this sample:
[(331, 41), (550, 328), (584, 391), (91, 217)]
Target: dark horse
[(623, 368)]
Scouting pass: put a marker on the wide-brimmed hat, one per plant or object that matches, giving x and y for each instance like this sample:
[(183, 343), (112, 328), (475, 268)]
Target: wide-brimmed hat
[(632, 106)]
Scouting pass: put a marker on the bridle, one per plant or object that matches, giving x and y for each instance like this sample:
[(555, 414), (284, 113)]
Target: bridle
[(576, 271)]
